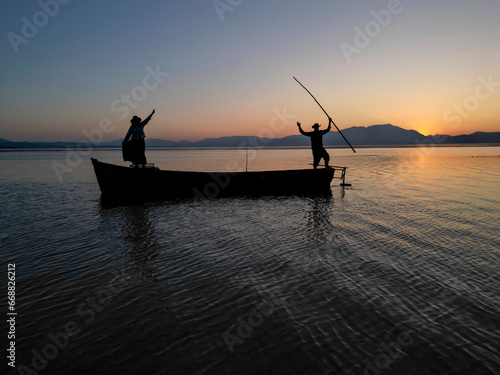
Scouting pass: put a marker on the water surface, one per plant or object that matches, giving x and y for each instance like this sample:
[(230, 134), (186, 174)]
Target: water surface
[(398, 274)]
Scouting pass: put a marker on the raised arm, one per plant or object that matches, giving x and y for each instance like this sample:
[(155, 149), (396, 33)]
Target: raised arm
[(329, 124), (148, 118), (300, 129), (328, 128)]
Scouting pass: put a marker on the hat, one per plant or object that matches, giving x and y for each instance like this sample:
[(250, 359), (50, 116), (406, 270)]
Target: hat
[(135, 119), (316, 126)]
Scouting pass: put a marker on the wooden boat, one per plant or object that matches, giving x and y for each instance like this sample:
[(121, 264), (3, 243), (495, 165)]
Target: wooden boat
[(119, 182)]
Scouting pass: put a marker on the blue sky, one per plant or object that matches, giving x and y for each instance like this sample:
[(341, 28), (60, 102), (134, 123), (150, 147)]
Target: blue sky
[(229, 74)]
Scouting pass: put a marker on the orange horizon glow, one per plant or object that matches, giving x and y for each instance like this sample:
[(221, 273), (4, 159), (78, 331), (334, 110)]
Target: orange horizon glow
[(432, 69), (160, 128)]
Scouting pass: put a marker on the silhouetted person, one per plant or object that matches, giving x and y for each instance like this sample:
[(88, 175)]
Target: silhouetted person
[(134, 150), (317, 143)]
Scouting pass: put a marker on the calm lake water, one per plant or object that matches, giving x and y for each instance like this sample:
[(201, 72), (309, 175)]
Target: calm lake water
[(398, 274)]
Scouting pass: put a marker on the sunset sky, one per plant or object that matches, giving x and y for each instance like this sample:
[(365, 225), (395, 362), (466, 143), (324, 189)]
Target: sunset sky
[(225, 67)]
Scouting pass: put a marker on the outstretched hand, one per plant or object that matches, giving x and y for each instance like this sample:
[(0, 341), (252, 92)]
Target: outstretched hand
[(330, 120), (298, 124), (152, 113)]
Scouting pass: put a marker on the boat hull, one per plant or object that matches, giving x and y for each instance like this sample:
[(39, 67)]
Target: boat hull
[(118, 182)]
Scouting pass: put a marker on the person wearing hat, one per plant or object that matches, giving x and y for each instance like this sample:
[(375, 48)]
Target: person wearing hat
[(135, 148), (317, 143)]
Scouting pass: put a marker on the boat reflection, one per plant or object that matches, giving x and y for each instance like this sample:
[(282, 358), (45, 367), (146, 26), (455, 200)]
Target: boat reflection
[(139, 235), (320, 231)]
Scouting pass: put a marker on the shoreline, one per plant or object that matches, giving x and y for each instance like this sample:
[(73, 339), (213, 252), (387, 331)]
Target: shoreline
[(7, 149)]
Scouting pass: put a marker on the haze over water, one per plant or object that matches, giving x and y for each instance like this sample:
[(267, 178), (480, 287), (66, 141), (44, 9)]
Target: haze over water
[(397, 274)]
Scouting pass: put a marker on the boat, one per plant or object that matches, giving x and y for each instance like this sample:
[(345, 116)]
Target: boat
[(121, 182)]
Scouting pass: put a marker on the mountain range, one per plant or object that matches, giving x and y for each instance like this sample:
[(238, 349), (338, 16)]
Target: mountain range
[(374, 135)]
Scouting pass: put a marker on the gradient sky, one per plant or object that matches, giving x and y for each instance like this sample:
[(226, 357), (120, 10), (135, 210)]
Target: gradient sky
[(230, 70)]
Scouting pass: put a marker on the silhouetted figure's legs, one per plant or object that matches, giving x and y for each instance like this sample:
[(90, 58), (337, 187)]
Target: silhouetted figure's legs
[(326, 156), (317, 155), (141, 153)]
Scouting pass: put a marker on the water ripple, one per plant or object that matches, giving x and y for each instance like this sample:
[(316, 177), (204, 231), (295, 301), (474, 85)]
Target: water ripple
[(402, 265)]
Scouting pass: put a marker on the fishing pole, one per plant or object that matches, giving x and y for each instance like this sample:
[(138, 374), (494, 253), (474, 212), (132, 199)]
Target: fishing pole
[(345, 139)]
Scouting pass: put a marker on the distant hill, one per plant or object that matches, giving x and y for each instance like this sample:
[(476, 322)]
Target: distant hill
[(386, 134), (477, 137), (383, 135)]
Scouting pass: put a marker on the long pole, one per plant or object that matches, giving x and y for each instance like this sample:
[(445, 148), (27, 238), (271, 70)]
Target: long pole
[(325, 113)]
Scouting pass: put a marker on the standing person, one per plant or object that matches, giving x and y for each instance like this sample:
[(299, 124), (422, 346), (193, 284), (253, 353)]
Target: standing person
[(134, 150), (317, 143)]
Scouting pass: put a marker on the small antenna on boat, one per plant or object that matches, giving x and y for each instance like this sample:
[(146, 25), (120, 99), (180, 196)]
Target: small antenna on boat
[(246, 167)]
